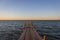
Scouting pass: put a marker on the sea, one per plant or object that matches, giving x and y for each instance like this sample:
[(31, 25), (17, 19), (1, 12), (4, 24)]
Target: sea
[(12, 29)]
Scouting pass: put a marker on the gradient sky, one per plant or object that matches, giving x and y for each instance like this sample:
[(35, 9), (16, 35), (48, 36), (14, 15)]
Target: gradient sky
[(29, 9)]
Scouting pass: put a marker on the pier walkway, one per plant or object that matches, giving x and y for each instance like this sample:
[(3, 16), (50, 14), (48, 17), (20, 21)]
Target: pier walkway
[(29, 32)]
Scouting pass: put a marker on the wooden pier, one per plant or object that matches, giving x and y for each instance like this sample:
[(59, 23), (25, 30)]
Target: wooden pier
[(29, 32)]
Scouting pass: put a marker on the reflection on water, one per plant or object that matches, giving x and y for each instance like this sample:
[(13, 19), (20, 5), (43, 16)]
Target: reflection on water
[(11, 30)]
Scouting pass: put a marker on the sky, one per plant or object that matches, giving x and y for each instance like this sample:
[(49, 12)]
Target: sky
[(29, 9)]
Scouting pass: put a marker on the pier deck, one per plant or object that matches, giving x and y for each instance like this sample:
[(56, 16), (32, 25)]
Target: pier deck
[(29, 32)]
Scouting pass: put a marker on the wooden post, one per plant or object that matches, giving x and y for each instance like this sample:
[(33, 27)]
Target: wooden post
[(44, 37)]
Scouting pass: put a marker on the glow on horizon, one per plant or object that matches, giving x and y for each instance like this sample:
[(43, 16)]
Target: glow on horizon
[(30, 10), (30, 18)]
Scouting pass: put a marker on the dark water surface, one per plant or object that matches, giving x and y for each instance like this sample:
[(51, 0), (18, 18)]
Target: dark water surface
[(11, 30)]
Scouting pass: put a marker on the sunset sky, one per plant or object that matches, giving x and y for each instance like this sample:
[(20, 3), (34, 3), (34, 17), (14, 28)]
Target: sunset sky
[(29, 9)]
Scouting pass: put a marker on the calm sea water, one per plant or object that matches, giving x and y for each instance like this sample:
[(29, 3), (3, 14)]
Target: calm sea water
[(11, 30)]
